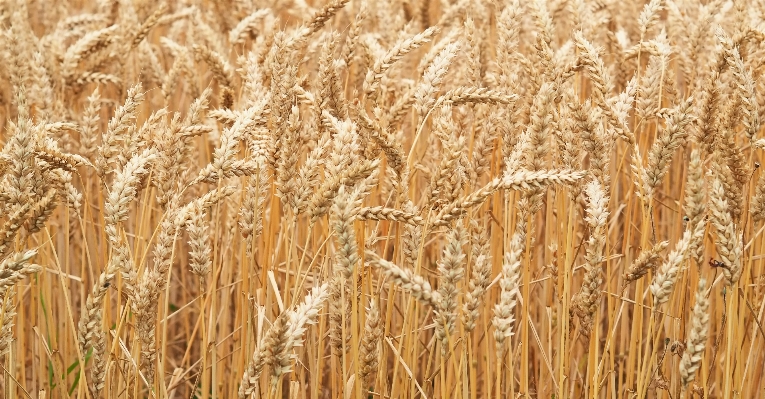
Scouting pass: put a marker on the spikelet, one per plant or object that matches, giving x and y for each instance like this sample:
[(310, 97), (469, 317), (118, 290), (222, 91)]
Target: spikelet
[(504, 311), (263, 355), (213, 197), (11, 227), (343, 215), (354, 34), (585, 303), (757, 207), (708, 111), (88, 45), (199, 243), (594, 140), (483, 147), (8, 312), (282, 337), (475, 95), (596, 69), (247, 26), (544, 67), (370, 344), (58, 159), (662, 149), (424, 95), (321, 200), (40, 211), (221, 70), (124, 190), (697, 336), (320, 19), (308, 176), (452, 270), (393, 150), (649, 17), (145, 298), (729, 240), (381, 65), (664, 282), (251, 213), (408, 281), (520, 180), (647, 260), (440, 188), (224, 163), (695, 205), (537, 147), (647, 104), (746, 93), (304, 315), (117, 138), (89, 329), (411, 238), (340, 329), (331, 96), (145, 27), (479, 277), (381, 213), (19, 154), (15, 268), (618, 110), (287, 156), (89, 125)]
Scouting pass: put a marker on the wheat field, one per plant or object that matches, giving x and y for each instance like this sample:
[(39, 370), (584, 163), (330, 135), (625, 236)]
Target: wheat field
[(371, 199)]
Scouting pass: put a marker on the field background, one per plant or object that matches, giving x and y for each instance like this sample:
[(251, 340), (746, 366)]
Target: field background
[(382, 199)]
